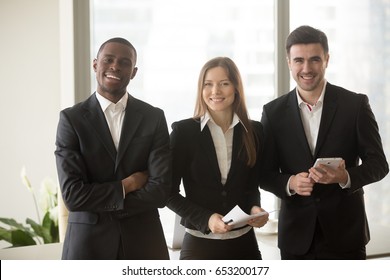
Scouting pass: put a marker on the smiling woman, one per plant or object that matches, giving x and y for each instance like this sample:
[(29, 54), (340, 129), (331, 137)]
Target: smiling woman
[(218, 93)]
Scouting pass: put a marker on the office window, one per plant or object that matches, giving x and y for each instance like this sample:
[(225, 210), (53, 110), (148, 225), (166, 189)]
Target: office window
[(359, 47), (175, 38)]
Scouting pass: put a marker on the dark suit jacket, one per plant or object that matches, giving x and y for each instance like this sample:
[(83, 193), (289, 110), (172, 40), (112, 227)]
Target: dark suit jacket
[(349, 130), (195, 162), (90, 171)]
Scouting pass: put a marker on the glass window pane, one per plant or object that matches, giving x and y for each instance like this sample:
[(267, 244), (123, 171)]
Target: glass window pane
[(175, 38)]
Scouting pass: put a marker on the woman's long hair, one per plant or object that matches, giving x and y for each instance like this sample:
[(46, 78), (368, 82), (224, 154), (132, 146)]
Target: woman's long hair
[(239, 107)]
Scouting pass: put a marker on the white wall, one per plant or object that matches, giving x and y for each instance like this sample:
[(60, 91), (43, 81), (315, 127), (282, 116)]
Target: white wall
[(29, 99)]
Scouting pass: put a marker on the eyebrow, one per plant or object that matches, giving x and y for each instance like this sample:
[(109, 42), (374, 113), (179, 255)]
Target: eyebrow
[(112, 55), (224, 80), (310, 58)]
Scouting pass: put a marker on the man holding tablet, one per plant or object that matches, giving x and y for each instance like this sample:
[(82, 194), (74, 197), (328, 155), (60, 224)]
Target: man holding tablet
[(322, 213)]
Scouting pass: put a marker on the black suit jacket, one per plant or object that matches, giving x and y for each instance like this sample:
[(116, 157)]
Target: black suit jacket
[(90, 171), (195, 164), (349, 130)]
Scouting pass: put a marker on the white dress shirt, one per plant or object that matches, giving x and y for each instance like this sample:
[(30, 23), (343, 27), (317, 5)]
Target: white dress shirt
[(311, 119), (223, 143), (114, 114)]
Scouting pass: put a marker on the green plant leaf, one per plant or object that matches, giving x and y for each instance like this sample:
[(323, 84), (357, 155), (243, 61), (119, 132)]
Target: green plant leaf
[(46, 223), (21, 238), (52, 229), (14, 225), (17, 226), (54, 232), (39, 230), (5, 234)]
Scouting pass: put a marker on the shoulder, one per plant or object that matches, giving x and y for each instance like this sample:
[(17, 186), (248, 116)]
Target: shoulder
[(187, 124), (256, 124), (80, 108), (281, 102), (344, 95), (143, 106), (342, 91), (184, 131), (257, 128)]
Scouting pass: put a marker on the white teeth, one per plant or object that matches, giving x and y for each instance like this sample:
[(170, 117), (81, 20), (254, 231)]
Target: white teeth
[(307, 77), (113, 77)]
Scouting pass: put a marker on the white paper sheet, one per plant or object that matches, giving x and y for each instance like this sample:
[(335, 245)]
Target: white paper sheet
[(238, 218)]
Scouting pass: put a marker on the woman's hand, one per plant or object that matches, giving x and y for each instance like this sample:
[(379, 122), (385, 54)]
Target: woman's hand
[(258, 221), (217, 225)]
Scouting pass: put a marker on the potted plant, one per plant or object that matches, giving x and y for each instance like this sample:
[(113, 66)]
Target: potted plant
[(32, 232)]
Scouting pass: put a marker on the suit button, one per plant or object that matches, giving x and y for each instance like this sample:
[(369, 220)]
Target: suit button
[(224, 193), (318, 200)]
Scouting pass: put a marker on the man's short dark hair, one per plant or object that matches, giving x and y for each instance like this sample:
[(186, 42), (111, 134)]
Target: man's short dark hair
[(120, 41), (307, 35)]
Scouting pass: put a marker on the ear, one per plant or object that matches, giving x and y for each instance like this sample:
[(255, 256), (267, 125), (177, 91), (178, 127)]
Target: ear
[(94, 65), (133, 73), (288, 62), (327, 56)]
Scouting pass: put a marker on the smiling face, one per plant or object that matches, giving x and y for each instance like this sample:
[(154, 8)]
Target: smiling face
[(218, 91), (307, 63), (114, 68)]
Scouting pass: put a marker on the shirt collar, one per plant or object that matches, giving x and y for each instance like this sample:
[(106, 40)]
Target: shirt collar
[(320, 99), (207, 117), (104, 102)]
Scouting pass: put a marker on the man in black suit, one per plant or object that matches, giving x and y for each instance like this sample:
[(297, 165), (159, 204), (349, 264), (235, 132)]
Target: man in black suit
[(322, 213), (114, 166)]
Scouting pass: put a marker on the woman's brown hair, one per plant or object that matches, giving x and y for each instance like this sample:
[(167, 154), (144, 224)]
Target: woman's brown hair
[(239, 107)]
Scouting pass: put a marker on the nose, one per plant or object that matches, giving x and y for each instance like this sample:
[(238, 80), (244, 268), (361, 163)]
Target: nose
[(306, 66), (215, 89), (114, 65)]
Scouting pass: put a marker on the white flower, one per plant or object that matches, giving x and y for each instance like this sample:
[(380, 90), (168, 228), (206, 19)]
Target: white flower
[(48, 195), (54, 214), (25, 180)]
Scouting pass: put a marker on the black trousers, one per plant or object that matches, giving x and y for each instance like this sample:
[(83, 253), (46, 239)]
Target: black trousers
[(244, 247), (320, 250)]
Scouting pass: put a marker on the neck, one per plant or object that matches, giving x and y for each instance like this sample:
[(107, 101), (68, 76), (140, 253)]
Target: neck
[(114, 97), (311, 97), (222, 119)]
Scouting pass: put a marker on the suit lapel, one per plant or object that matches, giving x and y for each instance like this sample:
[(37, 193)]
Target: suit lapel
[(296, 121), (206, 142), (131, 122), (328, 111), (237, 146), (95, 116)]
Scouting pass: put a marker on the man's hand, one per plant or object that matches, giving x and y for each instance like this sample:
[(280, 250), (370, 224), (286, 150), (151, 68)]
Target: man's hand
[(302, 184), (135, 181), (326, 175)]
